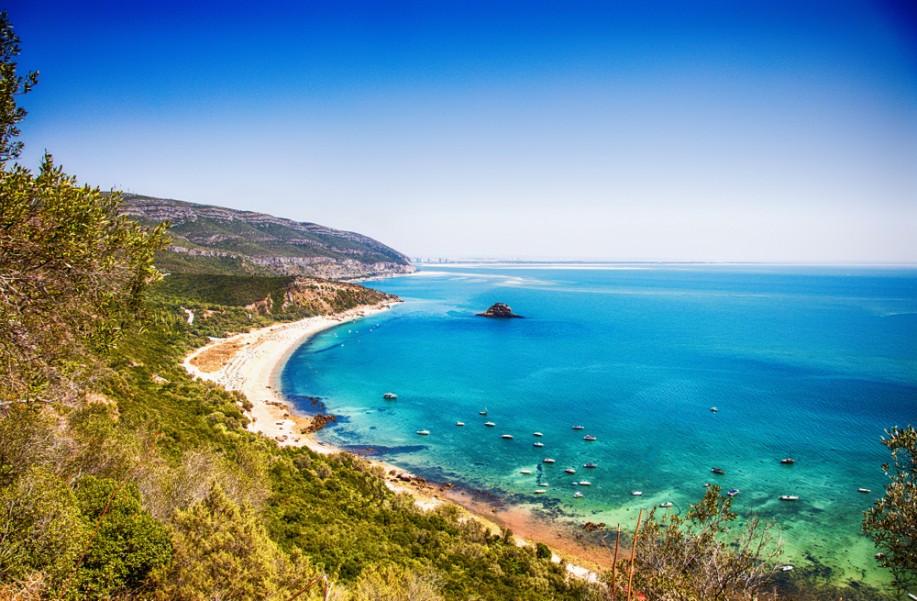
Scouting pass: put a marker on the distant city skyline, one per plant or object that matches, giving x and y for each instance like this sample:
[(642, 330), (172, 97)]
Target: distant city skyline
[(782, 131)]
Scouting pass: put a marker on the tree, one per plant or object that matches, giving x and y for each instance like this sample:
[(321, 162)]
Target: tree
[(892, 520), (704, 555), (11, 85)]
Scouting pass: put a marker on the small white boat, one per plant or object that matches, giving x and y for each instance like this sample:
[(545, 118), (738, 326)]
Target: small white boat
[(589, 437), (788, 461), (570, 470), (484, 412), (459, 424), (713, 409), (577, 495), (579, 427), (423, 432), (636, 493), (789, 498), (390, 396), (525, 472), (864, 490), (585, 483), (539, 434), (547, 460), (507, 436), (590, 465), (538, 444), (540, 491), (666, 504), (489, 424), (733, 492)]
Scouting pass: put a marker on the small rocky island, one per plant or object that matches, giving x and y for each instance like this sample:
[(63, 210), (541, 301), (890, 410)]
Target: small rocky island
[(499, 310)]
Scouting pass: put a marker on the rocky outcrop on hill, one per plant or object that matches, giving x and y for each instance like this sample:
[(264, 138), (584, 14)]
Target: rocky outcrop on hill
[(499, 310), (257, 243)]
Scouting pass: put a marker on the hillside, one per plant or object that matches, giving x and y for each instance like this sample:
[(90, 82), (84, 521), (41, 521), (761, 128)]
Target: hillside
[(209, 239)]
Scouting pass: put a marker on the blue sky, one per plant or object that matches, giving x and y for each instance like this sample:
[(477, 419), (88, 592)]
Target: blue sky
[(748, 131)]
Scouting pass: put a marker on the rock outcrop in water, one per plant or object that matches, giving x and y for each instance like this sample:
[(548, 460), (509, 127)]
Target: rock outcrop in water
[(499, 310)]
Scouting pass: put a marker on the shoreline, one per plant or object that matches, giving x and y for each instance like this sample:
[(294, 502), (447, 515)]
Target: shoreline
[(252, 363)]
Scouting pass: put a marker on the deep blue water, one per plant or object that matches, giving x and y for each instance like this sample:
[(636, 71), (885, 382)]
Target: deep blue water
[(812, 363)]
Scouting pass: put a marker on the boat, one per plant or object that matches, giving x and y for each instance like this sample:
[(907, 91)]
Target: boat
[(585, 483), (526, 472), (788, 461), (538, 444), (666, 504), (579, 427), (589, 437), (484, 412), (423, 432), (570, 470), (636, 493), (733, 492), (789, 498), (786, 568), (577, 495), (459, 424), (863, 490), (547, 460), (507, 436), (713, 409), (538, 434), (540, 491), (718, 470), (390, 396), (590, 465), (489, 424)]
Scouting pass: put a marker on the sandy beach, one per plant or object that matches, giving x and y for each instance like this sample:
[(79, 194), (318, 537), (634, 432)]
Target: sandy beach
[(251, 364)]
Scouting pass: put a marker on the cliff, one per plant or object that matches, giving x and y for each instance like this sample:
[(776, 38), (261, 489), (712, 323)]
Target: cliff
[(210, 239)]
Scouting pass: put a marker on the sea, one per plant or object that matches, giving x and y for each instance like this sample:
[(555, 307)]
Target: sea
[(808, 363)]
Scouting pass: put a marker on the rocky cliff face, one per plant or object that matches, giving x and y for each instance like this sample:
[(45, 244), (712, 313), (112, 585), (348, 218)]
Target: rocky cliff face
[(264, 244)]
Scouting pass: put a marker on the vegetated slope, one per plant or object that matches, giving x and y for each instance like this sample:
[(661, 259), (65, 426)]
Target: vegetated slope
[(209, 239)]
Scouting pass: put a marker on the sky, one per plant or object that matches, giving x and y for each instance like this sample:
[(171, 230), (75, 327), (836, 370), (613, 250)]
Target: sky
[(772, 131)]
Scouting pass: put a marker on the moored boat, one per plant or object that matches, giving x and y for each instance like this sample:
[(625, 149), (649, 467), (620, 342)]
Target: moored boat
[(489, 424), (547, 460), (390, 396), (538, 444), (665, 504), (423, 432), (579, 427), (539, 434), (525, 472), (589, 437), (585, 483), (507, 436), (459, 424), (864, 490), (788, 461), (713, 410), (590, 465), (718, 470), (733, 492), (570, 470), (789, 498), (540, 491), (483, 412), (636, 493), (577, 495)]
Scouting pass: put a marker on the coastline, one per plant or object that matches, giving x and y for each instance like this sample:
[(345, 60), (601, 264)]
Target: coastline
[(252, 363)]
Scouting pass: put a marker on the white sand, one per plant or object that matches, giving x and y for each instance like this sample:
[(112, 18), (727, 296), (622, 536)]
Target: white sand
[(255, 371)]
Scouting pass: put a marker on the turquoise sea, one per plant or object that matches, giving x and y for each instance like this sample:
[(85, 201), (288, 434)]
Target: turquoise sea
[(807, 362)]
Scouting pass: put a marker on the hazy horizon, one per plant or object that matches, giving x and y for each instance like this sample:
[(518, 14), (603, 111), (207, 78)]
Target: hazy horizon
[(778, 132)]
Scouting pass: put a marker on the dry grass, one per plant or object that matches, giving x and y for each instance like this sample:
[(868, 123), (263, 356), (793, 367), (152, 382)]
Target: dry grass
[(214, 358)]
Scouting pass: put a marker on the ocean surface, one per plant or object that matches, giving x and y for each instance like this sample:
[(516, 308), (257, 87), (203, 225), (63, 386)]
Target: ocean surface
[(802, 362)]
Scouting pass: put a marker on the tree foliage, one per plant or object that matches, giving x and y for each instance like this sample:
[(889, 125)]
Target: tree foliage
[(72, 274), (12, 84), (704, 555), (892, 520)]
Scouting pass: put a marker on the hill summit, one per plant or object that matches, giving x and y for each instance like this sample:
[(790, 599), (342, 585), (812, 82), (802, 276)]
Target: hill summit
[(211, 239)]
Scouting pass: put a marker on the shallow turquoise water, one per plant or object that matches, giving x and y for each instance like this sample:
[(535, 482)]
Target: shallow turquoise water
[(812, 363)]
